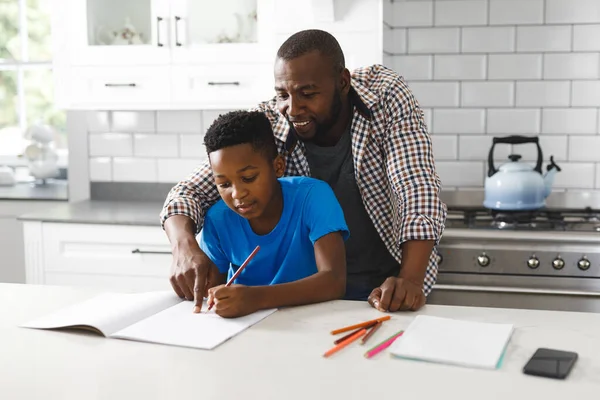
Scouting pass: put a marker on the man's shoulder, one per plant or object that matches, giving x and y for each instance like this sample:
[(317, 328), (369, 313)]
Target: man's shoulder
[(377, 78)]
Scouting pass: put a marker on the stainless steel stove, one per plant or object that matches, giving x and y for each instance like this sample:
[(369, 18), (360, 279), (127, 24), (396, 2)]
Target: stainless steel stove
[(548, 259)]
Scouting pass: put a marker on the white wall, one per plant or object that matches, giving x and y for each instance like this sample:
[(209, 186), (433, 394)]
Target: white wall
[(484, 68)]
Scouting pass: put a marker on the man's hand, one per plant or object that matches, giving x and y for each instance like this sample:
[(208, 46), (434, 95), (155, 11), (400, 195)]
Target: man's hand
[(397, 294), (233, 301)]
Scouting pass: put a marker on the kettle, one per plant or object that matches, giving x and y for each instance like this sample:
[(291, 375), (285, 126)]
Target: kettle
[(517, 186)]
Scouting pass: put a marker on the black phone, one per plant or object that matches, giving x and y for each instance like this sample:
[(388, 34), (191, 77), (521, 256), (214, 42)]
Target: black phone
[(550, 363)]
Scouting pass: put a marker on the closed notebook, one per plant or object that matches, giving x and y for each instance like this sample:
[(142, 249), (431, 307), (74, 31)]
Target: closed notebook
[(457, 342)]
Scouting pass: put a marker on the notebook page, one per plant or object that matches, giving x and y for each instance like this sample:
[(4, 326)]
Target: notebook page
[(450, 341), (178, 326), (108, 312)]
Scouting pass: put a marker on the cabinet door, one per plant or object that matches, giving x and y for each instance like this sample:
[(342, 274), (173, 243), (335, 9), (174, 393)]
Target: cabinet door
[(221, 32), (116, 32)]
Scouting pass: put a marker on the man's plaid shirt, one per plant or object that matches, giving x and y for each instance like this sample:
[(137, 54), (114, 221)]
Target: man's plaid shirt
[(393, 162)]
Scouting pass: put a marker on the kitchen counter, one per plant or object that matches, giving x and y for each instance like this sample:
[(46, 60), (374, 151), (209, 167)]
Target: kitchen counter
[(54, 190), (280, 357), (101, 212)]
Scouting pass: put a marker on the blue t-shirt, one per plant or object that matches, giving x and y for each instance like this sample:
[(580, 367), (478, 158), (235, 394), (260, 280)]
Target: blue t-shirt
[(310, 211)]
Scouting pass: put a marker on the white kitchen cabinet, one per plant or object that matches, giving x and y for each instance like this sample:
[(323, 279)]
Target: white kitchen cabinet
[(109, 257)]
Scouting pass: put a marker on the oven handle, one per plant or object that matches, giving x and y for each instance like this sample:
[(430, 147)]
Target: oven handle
[(513, 290)]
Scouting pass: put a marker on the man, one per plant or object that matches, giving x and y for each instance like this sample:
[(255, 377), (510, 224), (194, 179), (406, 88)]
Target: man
[(365, 135)]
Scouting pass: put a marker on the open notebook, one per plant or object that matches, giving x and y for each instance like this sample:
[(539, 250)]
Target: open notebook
[(451, 341), (155, 317)]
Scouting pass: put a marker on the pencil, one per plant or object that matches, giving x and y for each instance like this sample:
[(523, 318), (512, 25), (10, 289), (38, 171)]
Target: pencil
[(239, 271), (361, 325), (383, 345), (353, 332), (371, 332), (345, 343)]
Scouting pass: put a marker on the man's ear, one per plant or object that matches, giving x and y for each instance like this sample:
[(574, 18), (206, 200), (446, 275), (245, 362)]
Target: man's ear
[(345, 81), (279, 166)]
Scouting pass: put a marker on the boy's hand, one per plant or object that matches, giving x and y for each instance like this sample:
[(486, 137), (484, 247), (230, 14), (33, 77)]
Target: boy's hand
[(397, 294), (233, 301)]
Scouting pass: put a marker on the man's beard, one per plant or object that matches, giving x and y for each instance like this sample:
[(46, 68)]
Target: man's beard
[(323, 128)]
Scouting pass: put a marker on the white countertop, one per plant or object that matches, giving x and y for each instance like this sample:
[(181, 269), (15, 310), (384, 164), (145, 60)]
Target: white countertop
[(279, 358)]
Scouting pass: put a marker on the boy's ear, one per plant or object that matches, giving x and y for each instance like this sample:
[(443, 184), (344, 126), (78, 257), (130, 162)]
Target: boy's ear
[(279, 166)]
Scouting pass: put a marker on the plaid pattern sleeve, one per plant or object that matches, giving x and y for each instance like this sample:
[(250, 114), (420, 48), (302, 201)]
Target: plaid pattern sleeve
[(411, 167), (192, 197)]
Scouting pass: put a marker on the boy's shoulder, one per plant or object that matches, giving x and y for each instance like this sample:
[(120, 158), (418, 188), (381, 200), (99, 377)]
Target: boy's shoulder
[(300, 183)]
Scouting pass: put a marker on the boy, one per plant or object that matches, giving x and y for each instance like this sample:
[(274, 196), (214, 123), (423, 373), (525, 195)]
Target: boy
[(297, 222)]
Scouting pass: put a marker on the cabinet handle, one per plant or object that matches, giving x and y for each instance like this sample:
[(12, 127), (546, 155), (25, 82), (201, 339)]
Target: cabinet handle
[(138, 251), (236, 83), (158, 21), (120, 85), (177, 42)]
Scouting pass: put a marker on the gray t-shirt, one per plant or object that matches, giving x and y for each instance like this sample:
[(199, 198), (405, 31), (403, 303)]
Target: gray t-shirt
[(368, 260)]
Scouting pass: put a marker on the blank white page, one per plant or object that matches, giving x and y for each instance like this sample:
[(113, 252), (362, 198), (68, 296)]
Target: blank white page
[(179, 326), (108, 312), (451, 341)]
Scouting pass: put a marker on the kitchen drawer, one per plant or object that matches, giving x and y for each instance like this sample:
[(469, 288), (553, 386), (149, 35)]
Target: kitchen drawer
[(223, 86), (83, 253), (118, 87)]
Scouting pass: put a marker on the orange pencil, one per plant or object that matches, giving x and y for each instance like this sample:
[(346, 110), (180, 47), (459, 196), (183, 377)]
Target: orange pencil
[(361, 325), (345, 343), (238, 272), (371, 332), (353, 332)]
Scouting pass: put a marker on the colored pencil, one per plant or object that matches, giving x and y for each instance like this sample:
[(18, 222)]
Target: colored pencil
[(353, 332), (345, 343), (361, 325), (383, 345), (238, 272), (371, 332)]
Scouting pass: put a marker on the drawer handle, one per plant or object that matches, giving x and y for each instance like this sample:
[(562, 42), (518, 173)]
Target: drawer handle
[(235, 83), (120, 85), (138, 251), (158, 21), (177, 42)]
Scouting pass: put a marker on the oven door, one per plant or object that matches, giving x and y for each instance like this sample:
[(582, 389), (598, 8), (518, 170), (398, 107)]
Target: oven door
[(523, 292)]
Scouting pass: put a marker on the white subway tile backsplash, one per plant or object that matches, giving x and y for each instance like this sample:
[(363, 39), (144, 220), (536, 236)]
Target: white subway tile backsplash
[(555, 146), (414, 68), (388, 12), (134, 169), (110, 144), (572, 11), (543, 38), (568, 121), (515, 66), (454, 173), (487, 94), (586, 38), (445, 147), (543, 94), (488, 40), (179, 121), (436, 94), (413, 13), (98, 121), (433, 40), (513, 121), (209, 116), (584, 148), (460, 13), (459, 121), (571, 65), (155, 145), (175, 169), (428, 116), (459, 67), (394, 40), (100, 169), (597, 176), (133, 121), (192, 146), (586, 93), (506, 12), (478, 148), (575, 176)]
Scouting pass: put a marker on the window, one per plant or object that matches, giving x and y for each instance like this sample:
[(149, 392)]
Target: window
[(26, 84)]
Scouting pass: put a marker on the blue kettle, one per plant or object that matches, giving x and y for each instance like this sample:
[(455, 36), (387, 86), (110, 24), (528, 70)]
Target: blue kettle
[(518, 186)]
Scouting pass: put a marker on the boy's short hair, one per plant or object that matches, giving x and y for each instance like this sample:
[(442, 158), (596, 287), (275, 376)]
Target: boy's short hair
[(240, 127)]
